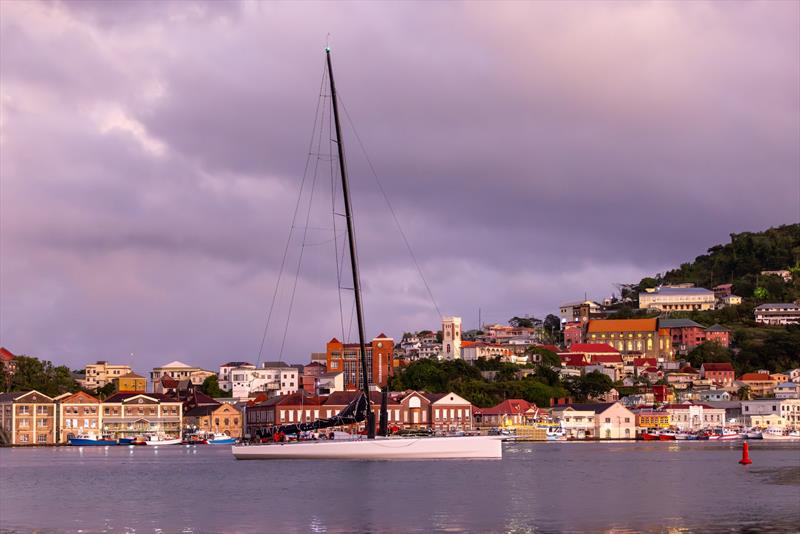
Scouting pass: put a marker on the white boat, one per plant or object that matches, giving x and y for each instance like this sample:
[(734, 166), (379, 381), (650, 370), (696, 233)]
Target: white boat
[(220, 439), (153, 440), (726, 435), (359, 410), (776, 434), (424, 448)]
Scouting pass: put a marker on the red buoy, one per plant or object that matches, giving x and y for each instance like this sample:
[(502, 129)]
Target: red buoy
[(745, 454)]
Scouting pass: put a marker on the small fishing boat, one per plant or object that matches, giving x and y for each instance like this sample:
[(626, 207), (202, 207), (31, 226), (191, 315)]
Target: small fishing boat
[(125, 441), (726, 434), (753, 433), (163, 440), (220, 439), (667, 435), (650, 436), (556, 434), (91, 440), (685, 436)]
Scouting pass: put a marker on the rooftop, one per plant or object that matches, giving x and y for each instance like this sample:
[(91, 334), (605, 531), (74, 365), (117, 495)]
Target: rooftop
[(622, 325), (593, 347), (678, 323), (680, 291)]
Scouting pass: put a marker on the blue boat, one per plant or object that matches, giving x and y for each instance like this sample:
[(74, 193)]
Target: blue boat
[(220, 439), (126, 441), (91, 440)]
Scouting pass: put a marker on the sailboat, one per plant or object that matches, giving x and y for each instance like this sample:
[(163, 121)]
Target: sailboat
[(371, 448)]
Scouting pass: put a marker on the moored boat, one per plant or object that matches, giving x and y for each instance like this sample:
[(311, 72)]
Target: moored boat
[(220, 439), (156, 441), (776, 434), (91, 440), (667, 435), (650, 436)]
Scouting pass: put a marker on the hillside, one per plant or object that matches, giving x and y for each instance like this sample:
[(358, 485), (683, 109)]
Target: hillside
[(741, 261)]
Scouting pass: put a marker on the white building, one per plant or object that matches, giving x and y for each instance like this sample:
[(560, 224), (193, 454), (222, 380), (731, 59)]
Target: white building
[(677, 299), (451, 338), (607, 420), (788, 409), (224, 376), (691, 417), (780, 313), (571, 311)]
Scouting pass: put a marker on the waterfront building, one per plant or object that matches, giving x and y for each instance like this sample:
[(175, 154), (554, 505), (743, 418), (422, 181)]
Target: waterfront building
[(77, 413), (692, 417), (607, 420), (653, 419), (788, 409), (222, 419), (720, 374), (27, 418), (347, 357), (782, 313), (677, 299), (97, 375), (760, 384), (415, 409), (787, 390), (632, 337), (179, 371), (449, 412), (131, 382), (510, 412), (451, 338), (132, 414)]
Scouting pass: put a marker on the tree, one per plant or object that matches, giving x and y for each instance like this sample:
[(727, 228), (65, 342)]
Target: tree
[(590, 385), (211, 387), (32, 373), (761, 293), (708, 352), (547, 357), (521, 322), (552, 325), (107, 390), (744, 393)]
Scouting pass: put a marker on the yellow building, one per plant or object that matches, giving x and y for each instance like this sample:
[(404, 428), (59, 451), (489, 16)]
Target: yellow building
[(632, 337), (131, 382), (222, 419), (101, 373), (653, 420), (767, 421)]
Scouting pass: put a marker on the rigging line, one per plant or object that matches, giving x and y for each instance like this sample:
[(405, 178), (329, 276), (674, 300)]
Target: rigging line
[(294, 218), (333, 218), (305, 234), (391, 208)]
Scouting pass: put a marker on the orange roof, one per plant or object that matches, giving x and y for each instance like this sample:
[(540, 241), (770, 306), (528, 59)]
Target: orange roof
[(465, 344), (622, 325), (755, 377), (6, 355)]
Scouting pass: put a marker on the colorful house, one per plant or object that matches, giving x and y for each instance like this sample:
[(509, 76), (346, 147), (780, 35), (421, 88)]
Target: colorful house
[(721, 374), (27, 418)]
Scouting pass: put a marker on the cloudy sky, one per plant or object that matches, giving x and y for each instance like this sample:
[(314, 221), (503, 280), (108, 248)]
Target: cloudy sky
[(152, 154)]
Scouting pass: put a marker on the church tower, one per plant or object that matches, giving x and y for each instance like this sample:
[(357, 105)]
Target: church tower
[(451, 338)]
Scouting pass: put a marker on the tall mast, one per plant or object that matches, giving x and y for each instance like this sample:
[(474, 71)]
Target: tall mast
[(351, 237)]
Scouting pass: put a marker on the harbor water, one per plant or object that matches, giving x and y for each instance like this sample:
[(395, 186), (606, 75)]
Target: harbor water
[(536, 487)]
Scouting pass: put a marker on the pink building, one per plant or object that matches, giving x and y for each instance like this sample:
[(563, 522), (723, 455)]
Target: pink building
[(722, 374), (573, 333), (719, 334)]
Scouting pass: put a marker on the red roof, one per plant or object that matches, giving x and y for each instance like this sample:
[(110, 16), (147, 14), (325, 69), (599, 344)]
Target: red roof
[(755, 377), (6, 355), (551, 348), (651, 370), (641, 362), (689, 369), (591, 348), (573, 360), (507, 407), (606, 358), (717, 367)]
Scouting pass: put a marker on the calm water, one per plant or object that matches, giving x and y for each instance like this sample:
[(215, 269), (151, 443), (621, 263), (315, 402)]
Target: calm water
[(536, 487)]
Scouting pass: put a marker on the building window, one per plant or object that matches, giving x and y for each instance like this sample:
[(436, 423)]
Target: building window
[(41, 438)]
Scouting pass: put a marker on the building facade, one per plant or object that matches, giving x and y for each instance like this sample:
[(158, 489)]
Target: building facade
[(346, 357), (720, 374), (101, 373), (677, 299), (222, 419), (451, 338), (77, 413), (632, 337), (134, 414), (778, 314), (131, 382), (28, 418)]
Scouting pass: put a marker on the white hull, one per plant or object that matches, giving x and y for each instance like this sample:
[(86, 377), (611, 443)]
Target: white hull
[(377, 449), (164, 442), (779, 437)]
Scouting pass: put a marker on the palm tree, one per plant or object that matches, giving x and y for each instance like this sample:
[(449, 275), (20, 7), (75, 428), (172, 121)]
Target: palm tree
[(744, 393)]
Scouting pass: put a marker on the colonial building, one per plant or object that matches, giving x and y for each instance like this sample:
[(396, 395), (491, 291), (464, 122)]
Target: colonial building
[(652, 419), (131, 414), (221, 419), (778, 313), (474, 350), (720, 374), (691, 417), (179, 371), (77, 413), (101, 373), (632, 337), (718, 334), (27, 418), (685, 334), (347, 357), (510, 412), (677, 299), (449, 412), (760, 384)]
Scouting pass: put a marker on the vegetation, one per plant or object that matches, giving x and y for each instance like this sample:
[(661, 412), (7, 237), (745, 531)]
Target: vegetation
[(43, 376), (466, 380), (210, 387)]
